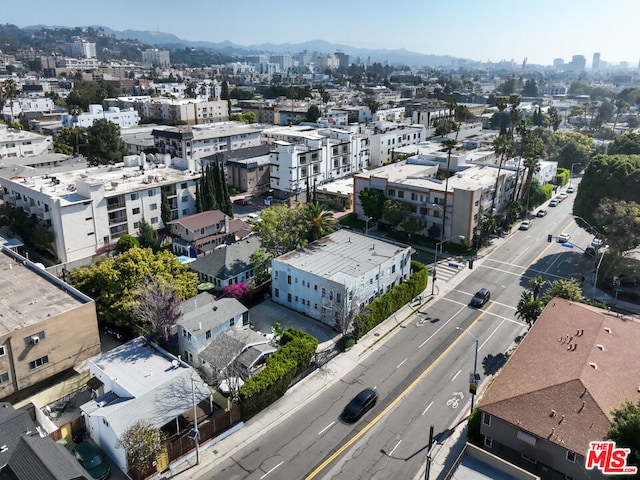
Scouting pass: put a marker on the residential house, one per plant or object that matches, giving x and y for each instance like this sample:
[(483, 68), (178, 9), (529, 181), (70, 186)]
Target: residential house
[(27, 455), (557, 391), (228, 265), (140, 381), (332, 278), (201, 233), (47, 326), (204, 318)]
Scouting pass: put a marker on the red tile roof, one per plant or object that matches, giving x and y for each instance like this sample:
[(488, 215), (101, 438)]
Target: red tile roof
[(574, 353)]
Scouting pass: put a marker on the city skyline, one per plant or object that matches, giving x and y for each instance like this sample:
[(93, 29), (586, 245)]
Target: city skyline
[(498, 30)]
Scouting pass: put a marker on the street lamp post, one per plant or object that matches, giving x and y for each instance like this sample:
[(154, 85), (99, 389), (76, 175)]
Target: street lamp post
[(588, 225), (595, 280), (475, 362), (366, 225), (435, 261)]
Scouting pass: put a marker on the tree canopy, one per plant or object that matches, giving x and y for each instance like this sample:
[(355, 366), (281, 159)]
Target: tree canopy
[(212, 192), (625, 430), (105, 143), (282, 229), (627, 143), (372, 201), (112, 283)]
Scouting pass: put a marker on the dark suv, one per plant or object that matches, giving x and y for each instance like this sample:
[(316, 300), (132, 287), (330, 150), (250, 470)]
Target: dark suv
[(481, 297)]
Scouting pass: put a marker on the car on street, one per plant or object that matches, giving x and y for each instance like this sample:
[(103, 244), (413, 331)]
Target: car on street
[(541, 213), (92, 460), (596, 242), (563, 195), (481, 297), (525, 225), (564, 237), (554, 202), (359, 405), (242, 201), (254, 218), (571, 190), (590, 250)]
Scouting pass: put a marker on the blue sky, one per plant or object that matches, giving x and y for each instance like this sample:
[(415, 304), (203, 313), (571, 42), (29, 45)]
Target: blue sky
[(489, 30)]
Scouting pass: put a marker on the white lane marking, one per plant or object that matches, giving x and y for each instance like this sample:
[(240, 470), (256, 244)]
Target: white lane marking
[(518, 256), (394, 448), (401, 363), (454, 377), (263, 476), (326, 428), (443, 326), (428, 407)]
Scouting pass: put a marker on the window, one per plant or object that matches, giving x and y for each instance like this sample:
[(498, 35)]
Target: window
[(391, 193), (529, 459), (135, 196), (393, 269), (183, 185), (151, 193), (486, 419), (232, 322), (488, 442), (207, 335), (135, 225), (185, 212), (39, 362), (289, 297), (185, 198), (289, 279), (400, 194), (136, 211), (34, 339), (4, 377), (153, 206), (571, 456), (3, 352), (277, 292), (154, 220)]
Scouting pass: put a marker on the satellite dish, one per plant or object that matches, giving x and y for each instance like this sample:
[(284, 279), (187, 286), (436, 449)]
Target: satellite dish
[(175, 363)]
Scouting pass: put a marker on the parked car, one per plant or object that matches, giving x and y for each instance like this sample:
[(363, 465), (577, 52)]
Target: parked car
[(590, 250), (571, 190), (481, 297), (596, 242), (242, 201), (554, 202), (541, 213), (359, 405), (564, 237), (563, 195), (92, 461), (254, 218), (525, 225)]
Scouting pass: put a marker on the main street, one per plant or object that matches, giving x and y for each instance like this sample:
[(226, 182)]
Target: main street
[(421, 371)]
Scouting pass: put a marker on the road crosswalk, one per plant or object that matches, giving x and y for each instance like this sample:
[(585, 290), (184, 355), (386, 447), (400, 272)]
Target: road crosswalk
[(447, 269)]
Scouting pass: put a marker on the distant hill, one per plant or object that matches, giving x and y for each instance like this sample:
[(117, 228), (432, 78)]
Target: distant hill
[(172, 42)]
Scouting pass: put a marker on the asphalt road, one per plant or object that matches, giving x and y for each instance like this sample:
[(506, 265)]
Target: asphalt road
[(421, 371)]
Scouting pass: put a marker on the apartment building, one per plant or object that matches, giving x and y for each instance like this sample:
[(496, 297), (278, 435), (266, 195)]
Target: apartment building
[(386, 137), (469, 193), (199, 141), (332, 278), (81, 49), (128, 117), (156, 57), (247, 170), (90, 209), (192, 111), (47, 326), (20, 143)]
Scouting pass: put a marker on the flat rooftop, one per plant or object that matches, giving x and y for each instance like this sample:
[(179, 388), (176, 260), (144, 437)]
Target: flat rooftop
[(342, 255), (28, 294)]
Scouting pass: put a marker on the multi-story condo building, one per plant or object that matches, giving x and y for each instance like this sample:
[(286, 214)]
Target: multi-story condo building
[(248, 169), (192, 111), (157, 58), (469, 193), (47, 326), (386, 137), (304, 156), (196, 142), (332, 278), (69, 63), (81, 49), (123, 118), (20, 143), (88, 210)]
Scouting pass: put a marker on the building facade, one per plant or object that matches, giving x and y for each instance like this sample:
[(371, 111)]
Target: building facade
[(123, 118)]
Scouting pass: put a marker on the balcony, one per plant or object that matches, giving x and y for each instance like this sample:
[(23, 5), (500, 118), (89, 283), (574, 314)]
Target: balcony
[(42, 214)]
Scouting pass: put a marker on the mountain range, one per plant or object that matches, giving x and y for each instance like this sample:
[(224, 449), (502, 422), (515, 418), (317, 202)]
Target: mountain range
[(172, 42)]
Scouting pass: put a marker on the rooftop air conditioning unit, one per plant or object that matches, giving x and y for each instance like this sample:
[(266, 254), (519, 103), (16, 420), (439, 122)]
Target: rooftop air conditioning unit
[(35, 339)]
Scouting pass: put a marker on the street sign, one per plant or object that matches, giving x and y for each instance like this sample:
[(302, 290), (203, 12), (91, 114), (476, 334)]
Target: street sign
[(567, 245), (472, 389)]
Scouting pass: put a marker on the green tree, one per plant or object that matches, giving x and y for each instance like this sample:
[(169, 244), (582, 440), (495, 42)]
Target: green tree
[(445, 126), (146, 234), (567, 289), (143, 444), (411, 225), (625, 430), (165, 209), (260, 261), (372, 201), (320, 222), (536, 284), (508, 87), (621, 220), (371, 102), (627, 143), (529, 308), (503, 147), (282, 229), (530, 88), (313, 114), (394, 212), (554, 118), (105, 143), (156, 309), (126, 242)]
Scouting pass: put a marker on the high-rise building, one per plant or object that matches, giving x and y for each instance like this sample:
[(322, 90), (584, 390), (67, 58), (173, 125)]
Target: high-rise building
[(595, 65), (157, 58), (578, 63), (558, 62), (81, 49)]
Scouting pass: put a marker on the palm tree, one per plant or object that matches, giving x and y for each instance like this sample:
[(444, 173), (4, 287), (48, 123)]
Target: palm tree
[(503, 146), (532, 164), (536, 285), (528, 309), (502, 104), (449, 145), (320, 222), (10, 92), (75, 110), (621, 106)]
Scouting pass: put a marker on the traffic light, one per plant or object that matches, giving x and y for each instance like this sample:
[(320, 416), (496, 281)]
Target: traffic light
[(549, 238)]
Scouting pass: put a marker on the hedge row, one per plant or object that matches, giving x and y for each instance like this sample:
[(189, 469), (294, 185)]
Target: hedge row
[(261, 390), (389, 303)]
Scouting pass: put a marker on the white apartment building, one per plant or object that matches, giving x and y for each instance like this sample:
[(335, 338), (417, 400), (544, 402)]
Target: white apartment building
[(157, 58), (81, 49), (470, 193), (332, 278), (70, 63), (20, 143), (195, 142), (304, 156), (123, 118), (386, 137), (90, 209), (204, 90), (192, 111)]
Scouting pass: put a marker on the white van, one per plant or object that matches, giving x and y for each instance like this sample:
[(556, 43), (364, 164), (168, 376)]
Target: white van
[(254, 218)]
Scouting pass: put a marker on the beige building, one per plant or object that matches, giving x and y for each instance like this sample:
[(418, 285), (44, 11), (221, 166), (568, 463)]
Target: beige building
[(557, 391), (46, 326)]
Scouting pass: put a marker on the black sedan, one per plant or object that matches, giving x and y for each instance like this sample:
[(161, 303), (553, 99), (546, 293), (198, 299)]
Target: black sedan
[(360, 405)]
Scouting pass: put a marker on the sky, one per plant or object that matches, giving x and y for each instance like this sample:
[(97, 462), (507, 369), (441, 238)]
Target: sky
[(483, 30)]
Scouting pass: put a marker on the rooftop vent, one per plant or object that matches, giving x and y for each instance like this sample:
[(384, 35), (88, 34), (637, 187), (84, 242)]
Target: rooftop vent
[(553, 413), (600, 346), (607, 329), (593, 365)]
